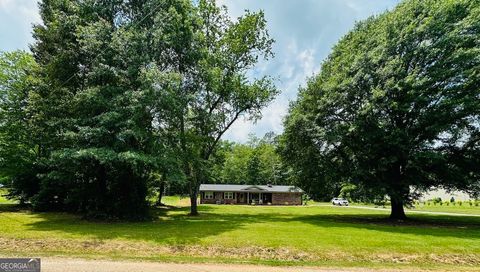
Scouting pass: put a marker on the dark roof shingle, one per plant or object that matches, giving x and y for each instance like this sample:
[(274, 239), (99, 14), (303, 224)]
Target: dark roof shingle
[(250, 188)]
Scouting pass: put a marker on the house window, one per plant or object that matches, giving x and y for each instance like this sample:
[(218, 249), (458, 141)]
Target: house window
[(208, 195), (228, 195)]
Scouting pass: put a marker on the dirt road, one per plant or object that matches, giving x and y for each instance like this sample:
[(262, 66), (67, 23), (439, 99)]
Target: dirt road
[(81, 265)]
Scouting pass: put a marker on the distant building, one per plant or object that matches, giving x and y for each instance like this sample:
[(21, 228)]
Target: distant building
[(248, 194)]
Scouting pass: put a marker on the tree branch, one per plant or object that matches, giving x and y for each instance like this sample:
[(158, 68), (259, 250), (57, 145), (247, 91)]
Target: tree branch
[(220, 134)]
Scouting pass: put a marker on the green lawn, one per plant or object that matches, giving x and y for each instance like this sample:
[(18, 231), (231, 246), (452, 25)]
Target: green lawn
[(465, 208), (3, 200), (312, 235)]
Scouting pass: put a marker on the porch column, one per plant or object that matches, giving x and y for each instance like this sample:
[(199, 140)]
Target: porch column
[(248, 198)]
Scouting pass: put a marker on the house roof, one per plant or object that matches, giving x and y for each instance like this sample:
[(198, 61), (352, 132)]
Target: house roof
[(250, 188)]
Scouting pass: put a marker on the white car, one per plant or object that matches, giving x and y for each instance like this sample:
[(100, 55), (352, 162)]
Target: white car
[(340, 202)]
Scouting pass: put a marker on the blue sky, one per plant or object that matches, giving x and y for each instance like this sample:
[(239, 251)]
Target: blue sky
[(304, 30)]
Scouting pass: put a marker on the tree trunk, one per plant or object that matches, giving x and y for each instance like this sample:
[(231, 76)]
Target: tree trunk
[(399, 191), (160, 194), (398, 212), (193, 202)]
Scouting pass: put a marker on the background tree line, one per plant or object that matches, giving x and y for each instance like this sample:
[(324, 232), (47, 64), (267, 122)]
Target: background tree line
[(255, 162)]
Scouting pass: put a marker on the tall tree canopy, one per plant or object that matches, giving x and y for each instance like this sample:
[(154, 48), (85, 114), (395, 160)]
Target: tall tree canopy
[(395, 109), (91, 117)]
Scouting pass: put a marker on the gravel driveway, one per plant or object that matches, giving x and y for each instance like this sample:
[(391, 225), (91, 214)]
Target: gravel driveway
[(81, 265)]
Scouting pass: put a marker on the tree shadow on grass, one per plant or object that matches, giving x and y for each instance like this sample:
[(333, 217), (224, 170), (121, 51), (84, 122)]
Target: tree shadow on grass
[(13, 207), (174, 226), (423, 225)]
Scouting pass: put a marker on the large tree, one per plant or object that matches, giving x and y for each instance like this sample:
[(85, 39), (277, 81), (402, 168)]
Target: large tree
[(204, 88), (396, 106), (91, 116)]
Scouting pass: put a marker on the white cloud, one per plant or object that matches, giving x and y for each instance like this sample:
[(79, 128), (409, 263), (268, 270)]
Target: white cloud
[(16, 19), (305, 31), (26, 11)]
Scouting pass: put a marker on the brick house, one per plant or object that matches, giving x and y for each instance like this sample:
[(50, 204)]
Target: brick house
[(248, 194)]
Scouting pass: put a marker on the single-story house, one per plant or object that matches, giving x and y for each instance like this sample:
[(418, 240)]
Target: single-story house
[(248, 194)]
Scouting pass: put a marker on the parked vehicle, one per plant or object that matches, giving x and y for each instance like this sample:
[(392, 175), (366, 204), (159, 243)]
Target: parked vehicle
[(340, 202)]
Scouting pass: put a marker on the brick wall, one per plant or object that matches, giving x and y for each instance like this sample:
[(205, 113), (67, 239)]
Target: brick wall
[(217, 196), (287, 199)]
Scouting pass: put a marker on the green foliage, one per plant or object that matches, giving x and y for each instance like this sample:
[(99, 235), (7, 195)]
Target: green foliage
[(99, 145), (18, 151), (395, 105), (255, 162), (348, 191)]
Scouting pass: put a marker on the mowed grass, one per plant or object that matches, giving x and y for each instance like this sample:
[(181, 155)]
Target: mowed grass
[(307, 235), (3, 199), (456, 209), (465, 208)]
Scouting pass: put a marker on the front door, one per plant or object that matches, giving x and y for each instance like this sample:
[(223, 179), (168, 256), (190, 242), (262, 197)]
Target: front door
[(242, 198), (254, 197), (267, 198)]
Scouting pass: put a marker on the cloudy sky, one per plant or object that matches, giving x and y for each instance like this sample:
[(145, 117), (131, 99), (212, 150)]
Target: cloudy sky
[(304, 30)]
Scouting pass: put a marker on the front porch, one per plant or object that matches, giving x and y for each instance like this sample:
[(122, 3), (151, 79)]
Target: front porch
[(254, 198)]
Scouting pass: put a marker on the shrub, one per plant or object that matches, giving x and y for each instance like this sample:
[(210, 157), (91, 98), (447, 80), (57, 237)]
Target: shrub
[(305, 199)]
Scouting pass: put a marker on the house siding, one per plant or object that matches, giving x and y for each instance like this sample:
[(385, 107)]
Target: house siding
[(217, 197), (287, 198)]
